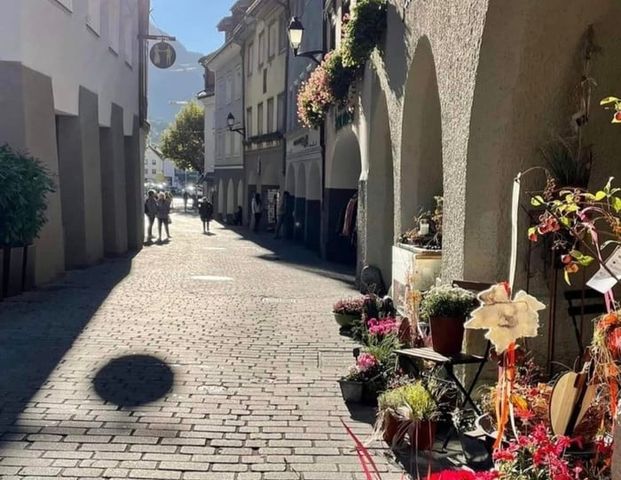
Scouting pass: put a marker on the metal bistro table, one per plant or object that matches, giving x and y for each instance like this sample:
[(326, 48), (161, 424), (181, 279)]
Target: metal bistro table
[(408, 358)]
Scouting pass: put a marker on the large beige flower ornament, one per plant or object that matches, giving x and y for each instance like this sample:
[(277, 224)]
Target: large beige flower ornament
[(506, 320)]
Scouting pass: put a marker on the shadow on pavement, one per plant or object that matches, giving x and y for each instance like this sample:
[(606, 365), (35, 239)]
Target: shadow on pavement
[(39, 327), (133, 380), (295, 254)]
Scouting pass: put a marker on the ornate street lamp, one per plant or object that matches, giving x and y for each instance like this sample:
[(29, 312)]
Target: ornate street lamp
[(230, 122), (296, 35)]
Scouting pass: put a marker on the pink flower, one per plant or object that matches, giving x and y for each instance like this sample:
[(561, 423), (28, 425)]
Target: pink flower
[(365, 362), (382, 327)]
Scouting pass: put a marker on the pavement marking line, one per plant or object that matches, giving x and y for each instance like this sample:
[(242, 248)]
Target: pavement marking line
[(212, 278)]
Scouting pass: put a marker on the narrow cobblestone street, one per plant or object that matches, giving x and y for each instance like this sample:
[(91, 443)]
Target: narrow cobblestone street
[(211, 357)]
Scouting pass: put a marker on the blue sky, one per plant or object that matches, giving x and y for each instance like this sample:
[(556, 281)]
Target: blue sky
[(193, 22)]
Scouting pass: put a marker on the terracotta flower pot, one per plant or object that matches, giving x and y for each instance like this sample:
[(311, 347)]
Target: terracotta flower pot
[(393, 429), (423, 435), (447, 334), (351, 391), (345, 319)]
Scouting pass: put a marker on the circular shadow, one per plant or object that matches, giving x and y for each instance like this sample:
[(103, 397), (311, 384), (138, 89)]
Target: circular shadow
[(133, 380)]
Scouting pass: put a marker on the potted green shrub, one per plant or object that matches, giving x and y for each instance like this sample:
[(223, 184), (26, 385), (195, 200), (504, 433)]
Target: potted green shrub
[(25, 186), (347, 311), (410, 409), (446, 309)]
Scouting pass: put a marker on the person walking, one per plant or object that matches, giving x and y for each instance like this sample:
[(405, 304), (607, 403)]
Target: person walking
[(257, 210), (163, 215), (282, 213), (150, 210), (185, 201), (205, 210)]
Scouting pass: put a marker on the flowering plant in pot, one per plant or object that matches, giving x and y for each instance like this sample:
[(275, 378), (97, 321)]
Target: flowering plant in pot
[(446, 309), (347, 310), (366, 368), (408, 409)]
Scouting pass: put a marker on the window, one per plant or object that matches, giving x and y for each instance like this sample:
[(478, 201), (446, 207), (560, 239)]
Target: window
[(270, 115), (229, 89), (282, 34), (250, 58), (261, 48), (114, 24), (93, 16), (260, 119), (280, 112), (272, 39), (238, 82), (249, 122), (153, 171), (265, 80), (153, 162)]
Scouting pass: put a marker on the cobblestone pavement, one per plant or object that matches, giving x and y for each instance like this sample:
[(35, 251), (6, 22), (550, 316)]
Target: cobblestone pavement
[(211, 357)]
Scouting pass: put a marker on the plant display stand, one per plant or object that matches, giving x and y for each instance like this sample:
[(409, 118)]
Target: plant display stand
[(408, 361)]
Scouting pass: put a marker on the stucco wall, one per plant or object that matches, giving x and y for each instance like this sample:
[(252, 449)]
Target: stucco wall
[(48, 38)]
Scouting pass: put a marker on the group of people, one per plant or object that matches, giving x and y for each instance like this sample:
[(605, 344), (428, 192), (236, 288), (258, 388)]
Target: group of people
[(158, 206)]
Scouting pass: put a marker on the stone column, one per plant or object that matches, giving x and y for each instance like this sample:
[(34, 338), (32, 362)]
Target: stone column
[(28, 124), (113, 184), (80, 178), (134, 189)]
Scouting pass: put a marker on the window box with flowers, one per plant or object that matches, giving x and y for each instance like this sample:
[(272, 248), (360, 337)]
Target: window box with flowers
[(330, 83)]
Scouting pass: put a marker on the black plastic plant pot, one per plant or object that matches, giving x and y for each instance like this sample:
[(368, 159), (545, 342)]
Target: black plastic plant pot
[(13, 271), (352, 391)]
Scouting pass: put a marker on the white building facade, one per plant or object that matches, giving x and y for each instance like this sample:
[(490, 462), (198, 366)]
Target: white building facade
[(76, 73)]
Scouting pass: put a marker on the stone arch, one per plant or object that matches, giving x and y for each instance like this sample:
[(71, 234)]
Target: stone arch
[(300, 204), (220, 207), (342, 178), (290, 180), (230, 198), (528, 70), (240, 194), (313, 207), (421, 170), (377, 219)]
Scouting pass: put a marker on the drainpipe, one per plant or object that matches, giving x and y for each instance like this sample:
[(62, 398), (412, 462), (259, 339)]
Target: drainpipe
[(286, 103)]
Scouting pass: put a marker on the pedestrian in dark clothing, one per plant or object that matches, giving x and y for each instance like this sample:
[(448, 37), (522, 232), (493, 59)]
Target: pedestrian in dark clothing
[(257, 211), (163, 215), (185, 201), (194, 201), (150, 210), (239, 216), (205, 210)]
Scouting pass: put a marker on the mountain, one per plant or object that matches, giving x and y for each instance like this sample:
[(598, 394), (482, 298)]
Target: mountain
[(169, 88)]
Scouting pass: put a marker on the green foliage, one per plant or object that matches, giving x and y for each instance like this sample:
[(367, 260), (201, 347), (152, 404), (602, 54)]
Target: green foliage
[(25, 185), (329, 84), (184, 140), (340, 77), (363, 32), (447, 301), (412, 400), (383, 349), (568, 162)]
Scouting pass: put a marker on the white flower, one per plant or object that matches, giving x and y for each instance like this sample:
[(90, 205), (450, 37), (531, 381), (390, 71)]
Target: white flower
[(506, 320)]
